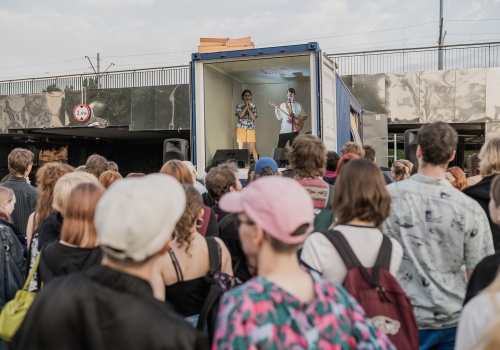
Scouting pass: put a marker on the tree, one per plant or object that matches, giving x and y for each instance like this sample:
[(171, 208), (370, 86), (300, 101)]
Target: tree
[(51, 88)]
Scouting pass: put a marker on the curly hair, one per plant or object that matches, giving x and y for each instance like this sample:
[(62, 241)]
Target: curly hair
[(46, 178), (307, 156), (437, 141), (370, 153), (360, 193), (220, 179), (184, 228), (472, 164), (332, 160)]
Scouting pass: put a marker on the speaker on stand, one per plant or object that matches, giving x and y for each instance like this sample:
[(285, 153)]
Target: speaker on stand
[(175, 149)]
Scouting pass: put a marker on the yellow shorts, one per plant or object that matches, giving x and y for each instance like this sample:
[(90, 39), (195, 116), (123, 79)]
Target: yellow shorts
[(244, 135)]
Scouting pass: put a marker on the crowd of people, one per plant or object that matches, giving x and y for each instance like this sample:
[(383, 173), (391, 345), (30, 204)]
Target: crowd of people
[(167, 261)]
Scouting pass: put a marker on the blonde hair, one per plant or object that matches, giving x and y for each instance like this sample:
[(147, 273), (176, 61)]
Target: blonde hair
[(65, 185), (6, 195), (353, 147), (490, 338), (401, 169), (490, 157)]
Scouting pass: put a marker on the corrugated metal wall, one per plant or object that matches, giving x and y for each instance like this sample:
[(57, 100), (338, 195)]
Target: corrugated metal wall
[(345, 102)]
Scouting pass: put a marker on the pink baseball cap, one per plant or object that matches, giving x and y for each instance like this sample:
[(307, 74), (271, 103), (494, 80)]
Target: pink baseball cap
[(279, 205)]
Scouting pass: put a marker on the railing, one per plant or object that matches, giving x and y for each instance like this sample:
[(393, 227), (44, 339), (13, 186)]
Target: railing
[(110, 80), (481, 55)]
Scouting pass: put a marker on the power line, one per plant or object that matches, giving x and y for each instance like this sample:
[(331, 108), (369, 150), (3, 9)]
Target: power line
[(41, 64), (472, 20), (351, 34)]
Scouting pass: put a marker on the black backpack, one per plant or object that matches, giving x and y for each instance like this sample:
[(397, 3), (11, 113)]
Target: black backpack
[(220, 282), (378, 292)]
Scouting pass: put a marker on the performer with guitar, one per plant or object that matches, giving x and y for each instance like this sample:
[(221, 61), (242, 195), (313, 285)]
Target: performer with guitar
[(245, 130), (292, 118)]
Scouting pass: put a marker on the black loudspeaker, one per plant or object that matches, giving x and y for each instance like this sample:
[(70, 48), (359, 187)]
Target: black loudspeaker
[(241, 156), (175, 149), (410, 144), (279, 155)]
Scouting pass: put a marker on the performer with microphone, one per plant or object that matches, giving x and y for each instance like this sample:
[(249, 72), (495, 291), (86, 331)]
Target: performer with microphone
[(292, 118), (245, 130)]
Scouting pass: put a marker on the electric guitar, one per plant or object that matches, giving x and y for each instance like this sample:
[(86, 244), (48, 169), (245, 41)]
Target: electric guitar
[(297, 122)]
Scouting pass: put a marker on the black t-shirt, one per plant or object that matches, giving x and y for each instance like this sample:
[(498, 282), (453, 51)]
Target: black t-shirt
[(58, 259), (484, 273), (230, 237)]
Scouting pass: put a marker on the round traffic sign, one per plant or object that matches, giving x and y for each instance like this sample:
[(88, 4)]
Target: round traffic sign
[(81, 112)]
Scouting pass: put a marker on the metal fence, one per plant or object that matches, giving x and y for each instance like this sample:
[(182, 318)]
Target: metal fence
[(482, 55), (119, 79)]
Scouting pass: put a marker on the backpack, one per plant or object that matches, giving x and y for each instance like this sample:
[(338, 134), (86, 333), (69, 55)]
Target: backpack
[(378, 292), (220, 282), (12, 265)]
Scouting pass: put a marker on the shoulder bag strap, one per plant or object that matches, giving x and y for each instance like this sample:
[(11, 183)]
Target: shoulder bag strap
[(214, 292), (34, 268), (226, 220), (385, 253), (214, 254), (345, 251)]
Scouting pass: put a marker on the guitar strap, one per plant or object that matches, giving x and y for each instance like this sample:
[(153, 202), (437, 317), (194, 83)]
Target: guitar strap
[(290, 114)]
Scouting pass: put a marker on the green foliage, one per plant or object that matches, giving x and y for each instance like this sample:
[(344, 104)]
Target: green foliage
[(91, 83), (51, 88)]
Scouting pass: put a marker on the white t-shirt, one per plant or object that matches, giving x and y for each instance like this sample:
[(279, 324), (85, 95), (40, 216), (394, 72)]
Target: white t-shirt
[(476, 317), (320, 254), (297, 111)]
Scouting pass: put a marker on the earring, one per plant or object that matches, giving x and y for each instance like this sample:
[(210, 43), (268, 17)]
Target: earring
[(200, 222)]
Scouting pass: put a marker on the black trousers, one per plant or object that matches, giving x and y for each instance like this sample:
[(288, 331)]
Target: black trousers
[(290, 136)]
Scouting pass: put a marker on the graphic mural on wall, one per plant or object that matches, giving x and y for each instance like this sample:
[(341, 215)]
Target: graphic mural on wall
[(150, 108), (454, 96)]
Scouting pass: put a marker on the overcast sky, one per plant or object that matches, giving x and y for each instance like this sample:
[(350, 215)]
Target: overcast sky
[(52, 37)]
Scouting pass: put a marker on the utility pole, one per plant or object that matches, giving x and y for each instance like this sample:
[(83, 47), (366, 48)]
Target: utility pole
[(98, 71), (441, 36)]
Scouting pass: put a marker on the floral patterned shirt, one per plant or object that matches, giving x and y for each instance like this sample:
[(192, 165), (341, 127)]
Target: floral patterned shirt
[(261, 315), (246, 122)]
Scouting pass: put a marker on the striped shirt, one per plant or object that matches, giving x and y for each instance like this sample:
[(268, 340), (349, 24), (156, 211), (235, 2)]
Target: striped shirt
[(26, 198)]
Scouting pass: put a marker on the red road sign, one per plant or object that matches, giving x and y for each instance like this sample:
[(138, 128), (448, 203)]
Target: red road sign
[(81, 112)]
